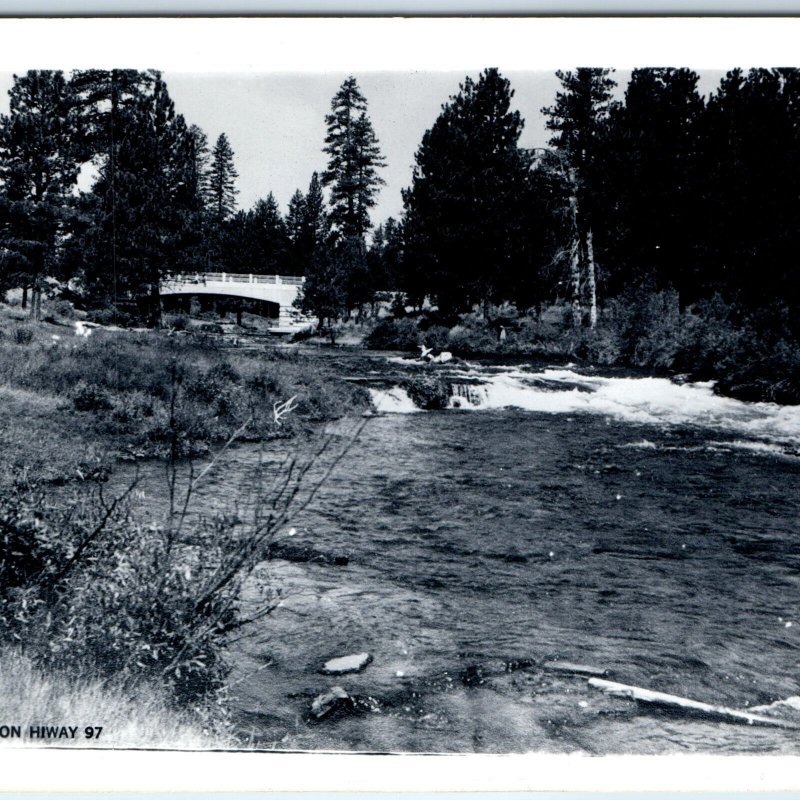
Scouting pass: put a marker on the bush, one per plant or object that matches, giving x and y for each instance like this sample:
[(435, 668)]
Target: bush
[(96, 586), (109, 315), (473, 338), (23, 334), (59, 310), (90, 397), (437, 337), (177, 322), (394, 334), (211, 327), (429, 392)]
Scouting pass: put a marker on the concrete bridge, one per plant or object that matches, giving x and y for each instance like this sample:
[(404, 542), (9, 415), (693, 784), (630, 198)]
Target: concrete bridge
[(277, 292)]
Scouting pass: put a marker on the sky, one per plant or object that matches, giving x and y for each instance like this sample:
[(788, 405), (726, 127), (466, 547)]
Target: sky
[(276, 121)]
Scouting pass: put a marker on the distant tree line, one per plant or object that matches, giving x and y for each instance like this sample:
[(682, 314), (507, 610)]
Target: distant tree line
[(660, 190)]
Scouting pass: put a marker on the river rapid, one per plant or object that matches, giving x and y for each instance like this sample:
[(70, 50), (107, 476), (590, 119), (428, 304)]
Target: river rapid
[(643, 528)]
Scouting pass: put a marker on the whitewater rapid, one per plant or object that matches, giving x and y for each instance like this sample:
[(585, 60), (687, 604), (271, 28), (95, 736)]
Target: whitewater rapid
[(635, 400)]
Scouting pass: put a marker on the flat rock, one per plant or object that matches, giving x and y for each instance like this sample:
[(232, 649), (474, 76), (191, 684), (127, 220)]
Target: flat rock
[(354, 663), (328, 702)]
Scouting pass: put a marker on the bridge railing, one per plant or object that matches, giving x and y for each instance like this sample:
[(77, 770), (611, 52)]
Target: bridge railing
[(234, 277)]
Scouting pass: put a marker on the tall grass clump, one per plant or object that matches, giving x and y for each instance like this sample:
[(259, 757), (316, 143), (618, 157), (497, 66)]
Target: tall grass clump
[(33, 696)]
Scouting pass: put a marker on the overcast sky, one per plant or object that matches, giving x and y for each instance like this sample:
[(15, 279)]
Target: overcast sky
[(276, 122)]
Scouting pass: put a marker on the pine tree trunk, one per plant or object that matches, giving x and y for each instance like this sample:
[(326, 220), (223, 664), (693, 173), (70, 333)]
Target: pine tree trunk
[(591, 278), (155, 305), (24, 297), (575, 251)]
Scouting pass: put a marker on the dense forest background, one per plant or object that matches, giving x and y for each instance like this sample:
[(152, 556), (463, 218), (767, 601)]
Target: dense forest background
[(660, 230)]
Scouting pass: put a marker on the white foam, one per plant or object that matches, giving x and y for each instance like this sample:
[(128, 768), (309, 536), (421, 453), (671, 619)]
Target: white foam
[(392, 401), (638, 400), (762, 448), (644, 444)]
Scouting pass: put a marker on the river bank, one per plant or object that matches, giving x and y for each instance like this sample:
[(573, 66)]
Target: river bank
[(636, 526), (93, 585), (748, 357)]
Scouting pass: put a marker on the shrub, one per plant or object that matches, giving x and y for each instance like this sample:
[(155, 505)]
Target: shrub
[(429, 392), (91, 585), (59, 310), (437, 337), (23, 334), (472, 338), (90, 397), (394, 334), (177, 322), (211, 327)]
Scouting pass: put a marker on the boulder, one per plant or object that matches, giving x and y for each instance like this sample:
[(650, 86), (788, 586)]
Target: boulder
[(354, 663), (336, 699)]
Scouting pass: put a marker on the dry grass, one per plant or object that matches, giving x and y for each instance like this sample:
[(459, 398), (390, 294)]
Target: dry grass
[(144, 720)]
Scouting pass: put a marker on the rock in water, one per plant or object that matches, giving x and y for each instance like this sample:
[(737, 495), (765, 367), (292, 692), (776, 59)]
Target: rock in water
[(355, 663), (328, 702)]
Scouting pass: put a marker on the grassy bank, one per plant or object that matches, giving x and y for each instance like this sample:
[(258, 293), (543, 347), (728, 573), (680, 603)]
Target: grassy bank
[(150, 393), (750, 358), (105, 602), (139, 717)]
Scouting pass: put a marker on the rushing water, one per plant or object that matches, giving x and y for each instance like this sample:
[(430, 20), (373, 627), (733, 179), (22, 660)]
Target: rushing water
[(629, 524)]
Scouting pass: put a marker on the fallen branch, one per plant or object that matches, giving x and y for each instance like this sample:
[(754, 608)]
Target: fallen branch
[(674, 701)]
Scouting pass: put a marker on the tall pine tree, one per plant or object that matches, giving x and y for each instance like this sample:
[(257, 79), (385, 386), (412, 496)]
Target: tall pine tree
[(222, 180), (39, 168), (466, 211), (354, 158), (577, 119)]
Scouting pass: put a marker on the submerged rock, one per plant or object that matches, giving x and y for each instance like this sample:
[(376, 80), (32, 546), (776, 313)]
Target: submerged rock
[(354, 663)]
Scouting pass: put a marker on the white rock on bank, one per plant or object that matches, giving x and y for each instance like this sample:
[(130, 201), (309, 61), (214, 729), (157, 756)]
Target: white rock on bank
[(354, 663), (327, 702)]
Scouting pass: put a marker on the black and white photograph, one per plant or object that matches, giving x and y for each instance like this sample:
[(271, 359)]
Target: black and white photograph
[(449, 411)]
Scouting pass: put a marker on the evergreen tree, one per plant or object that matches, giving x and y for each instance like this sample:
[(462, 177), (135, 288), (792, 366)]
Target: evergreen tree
[(268, 237), (652, 183), (466, 213), (294, 231), (222, 180), (200, 164), (752, 206), (577, 118), (384, 256), (39, 168), (354, 158), (141, 206)]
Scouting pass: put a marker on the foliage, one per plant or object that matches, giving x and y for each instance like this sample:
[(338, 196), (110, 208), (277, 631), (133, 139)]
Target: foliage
[(93, 586), (23, 334), (222, 180), (467, 210), (38, 167), (428, 392), (394, 334), (90, 397), (354, 158)]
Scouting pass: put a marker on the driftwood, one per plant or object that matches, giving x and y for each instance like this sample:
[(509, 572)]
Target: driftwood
[(574, 669), (674, 701)]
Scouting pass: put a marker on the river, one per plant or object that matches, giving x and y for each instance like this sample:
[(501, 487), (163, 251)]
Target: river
[(640, 527)]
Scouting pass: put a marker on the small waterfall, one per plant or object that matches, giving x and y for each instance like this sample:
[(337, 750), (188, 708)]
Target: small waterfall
[(469, 394), (392, 401)]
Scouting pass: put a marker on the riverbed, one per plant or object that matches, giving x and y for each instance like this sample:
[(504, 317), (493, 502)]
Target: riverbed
[(642, 529)]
